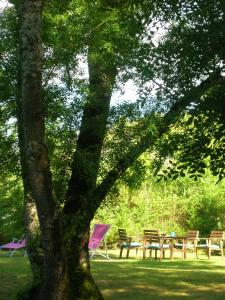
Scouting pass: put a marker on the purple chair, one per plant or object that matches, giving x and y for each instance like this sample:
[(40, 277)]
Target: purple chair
[(97, 238), (14, 245)]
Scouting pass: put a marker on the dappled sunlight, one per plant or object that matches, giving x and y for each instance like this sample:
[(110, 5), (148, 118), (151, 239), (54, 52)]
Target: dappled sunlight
[(211, 287), (149, 279), (136, 279), (163, 292), (197, 270)]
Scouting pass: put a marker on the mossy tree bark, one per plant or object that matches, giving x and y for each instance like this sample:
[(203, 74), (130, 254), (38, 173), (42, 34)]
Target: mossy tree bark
[(38, 193), (60, 264), (80, 205)]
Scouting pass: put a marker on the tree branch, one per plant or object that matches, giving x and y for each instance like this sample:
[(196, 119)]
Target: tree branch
[(150, 138)]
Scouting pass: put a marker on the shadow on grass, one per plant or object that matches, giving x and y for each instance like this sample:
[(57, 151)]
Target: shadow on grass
[(134, 279), (15, 275), (149, 279)]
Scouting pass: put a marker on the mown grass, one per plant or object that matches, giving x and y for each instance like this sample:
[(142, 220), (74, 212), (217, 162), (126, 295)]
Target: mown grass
[(135, 279), (15, 274)]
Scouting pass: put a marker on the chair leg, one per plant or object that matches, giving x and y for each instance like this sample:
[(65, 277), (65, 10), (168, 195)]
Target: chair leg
[(121, 251), (171, 252), (195, 250), (161, 254), (183, 251), (11, 253), (128, 251), (222, 254), (209, 252), (155, 254), (136, 251), (144, 252)]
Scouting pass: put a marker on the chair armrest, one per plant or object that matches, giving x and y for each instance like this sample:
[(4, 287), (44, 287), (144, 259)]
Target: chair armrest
[(129, 239), (206, 239), (138, 238), (165, 240), (135, 239)]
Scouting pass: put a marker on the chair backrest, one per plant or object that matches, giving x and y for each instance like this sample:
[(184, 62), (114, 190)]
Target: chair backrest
[(20, 244), (151, 236), (97, 235), (192, 234), (14, 245), (122, 235), (217, 235)]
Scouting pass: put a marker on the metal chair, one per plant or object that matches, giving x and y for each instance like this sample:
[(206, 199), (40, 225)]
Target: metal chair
[(14, 245), (97, 237)]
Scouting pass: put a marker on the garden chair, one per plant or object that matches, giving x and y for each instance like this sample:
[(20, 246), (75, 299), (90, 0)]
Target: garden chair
[(188, 242), (214, 243), (153, 240), (97, 238), (125, 242), (14, 245)]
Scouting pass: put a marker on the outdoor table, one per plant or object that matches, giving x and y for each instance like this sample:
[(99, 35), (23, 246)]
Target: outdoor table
[(172, 239)]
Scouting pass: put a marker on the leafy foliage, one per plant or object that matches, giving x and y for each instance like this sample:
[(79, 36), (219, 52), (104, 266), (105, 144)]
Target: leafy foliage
[(197, 141), (168, 206), (11, 209)]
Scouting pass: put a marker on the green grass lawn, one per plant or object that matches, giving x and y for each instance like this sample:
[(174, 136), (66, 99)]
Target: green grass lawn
[(134, 279), (14, 275)]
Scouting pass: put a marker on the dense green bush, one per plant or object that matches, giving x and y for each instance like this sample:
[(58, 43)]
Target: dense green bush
[(168, 206)]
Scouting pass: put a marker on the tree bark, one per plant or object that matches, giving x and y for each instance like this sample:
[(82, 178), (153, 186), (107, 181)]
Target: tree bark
[(64, 270), (39, 196), (80, 205)]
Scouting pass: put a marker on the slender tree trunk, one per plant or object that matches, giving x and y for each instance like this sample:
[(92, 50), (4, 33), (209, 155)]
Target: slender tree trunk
[(80, 205)]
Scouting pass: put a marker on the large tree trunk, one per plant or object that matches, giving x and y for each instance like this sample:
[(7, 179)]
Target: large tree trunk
[(64, 271), (49, 277)]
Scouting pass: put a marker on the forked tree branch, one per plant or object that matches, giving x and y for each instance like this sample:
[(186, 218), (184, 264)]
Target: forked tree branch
[(149, 140)]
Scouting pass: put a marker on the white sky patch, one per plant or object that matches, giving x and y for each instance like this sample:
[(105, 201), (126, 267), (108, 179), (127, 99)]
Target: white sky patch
[(158, 37), (4, 4), (129, 93)]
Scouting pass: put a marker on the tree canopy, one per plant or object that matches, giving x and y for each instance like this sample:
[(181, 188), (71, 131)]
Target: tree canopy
[(73, 146)]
